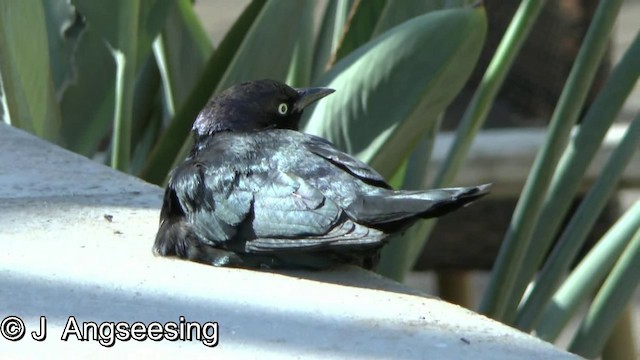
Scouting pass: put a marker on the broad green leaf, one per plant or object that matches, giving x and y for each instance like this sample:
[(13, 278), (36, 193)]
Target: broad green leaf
[(29, 99), (128, 27), (588, 275), (505, 291), (266, 50), (388, 87), (181, 50), (64, 29), (259, 45), (575, 233), (300, 68), (107, 18), (571, 168), (327, 40), (470, 124), (152, 19), (148, 133), (92, 95), (359, 27), (3, 105), (253, 59), (417, 168), (174, 136), (124, 51), (148, 111), (397, 12), (609, 303)]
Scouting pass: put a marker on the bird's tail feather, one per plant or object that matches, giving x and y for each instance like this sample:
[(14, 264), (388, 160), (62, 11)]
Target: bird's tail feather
[(400, 208)]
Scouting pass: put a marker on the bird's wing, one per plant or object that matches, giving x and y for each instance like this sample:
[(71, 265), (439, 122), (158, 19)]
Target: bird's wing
[(289, 213), (355, 167), (211, 203), (286, 206), (263, 210)]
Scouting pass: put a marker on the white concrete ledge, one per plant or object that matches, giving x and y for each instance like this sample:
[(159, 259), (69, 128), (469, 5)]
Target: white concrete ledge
[(76, 241)]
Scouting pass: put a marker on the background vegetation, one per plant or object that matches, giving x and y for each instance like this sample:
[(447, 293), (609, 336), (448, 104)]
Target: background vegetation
[(127, 77)]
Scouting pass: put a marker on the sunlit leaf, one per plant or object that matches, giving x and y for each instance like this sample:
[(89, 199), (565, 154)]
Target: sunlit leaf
[(300, 68), (64, 29), (92, 94), (359, 28), (507, 283), (28, 91), (397, 12), (266, 50), (388, 87), (326, 42), (182, 51), (106, 19), (259, 45)]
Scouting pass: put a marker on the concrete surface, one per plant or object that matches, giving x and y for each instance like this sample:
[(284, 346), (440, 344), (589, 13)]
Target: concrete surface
[(76, 246)]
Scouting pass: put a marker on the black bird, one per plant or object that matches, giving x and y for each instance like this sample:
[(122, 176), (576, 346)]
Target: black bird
[(256, 193)]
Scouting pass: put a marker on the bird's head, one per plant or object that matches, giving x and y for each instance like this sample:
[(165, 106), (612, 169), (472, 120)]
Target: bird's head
[(256, 105)]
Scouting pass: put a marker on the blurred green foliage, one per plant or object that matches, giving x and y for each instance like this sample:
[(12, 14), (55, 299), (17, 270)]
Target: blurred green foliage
[(127, 78)]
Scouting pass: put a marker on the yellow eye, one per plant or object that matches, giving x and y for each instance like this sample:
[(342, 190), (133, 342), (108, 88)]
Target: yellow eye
[(283, 108)]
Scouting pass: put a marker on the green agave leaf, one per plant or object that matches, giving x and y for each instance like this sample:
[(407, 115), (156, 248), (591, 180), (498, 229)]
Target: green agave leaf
[(259, 45), (327, 41), (359, 28), (128, 27), (175, 135), (572, 238), (397, 12), (28, 90), (585, 279), (92, 94), (565, 182), (125, 55), (107, 17), (507, 283), (182, 51), (254, 60), (300, 68), (64, 28), (147, 134), (471, 122), (387, 88), (179, 56), (152, 19), (3, 111), (608, 305), (267, 49), (147, 118)]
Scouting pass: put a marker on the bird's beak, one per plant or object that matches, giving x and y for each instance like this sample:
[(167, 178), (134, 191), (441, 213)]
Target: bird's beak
[(307, 96)]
